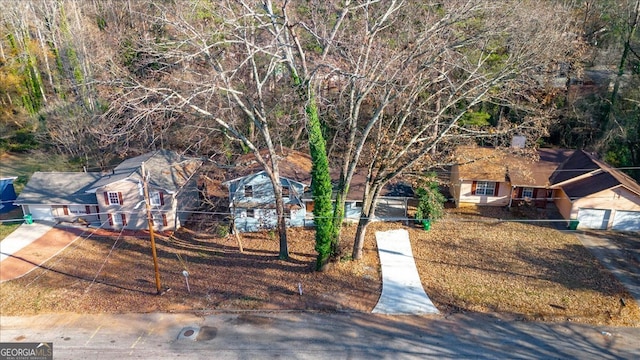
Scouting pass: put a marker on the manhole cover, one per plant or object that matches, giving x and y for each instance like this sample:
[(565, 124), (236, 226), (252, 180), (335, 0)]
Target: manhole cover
[(189, 333)]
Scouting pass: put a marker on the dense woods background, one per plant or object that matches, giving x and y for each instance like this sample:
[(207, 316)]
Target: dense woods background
[(76, 76), (390, 87)]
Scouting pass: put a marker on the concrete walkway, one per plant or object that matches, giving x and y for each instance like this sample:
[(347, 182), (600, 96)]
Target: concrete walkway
[(612, 258), (24, 235), (402, 291)]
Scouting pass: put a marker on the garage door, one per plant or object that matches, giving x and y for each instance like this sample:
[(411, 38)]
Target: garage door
[(40, 212), (593, 218), (626, 221)]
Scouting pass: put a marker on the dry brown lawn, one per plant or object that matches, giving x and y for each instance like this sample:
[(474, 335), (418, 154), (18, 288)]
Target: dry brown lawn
[(467, 262)]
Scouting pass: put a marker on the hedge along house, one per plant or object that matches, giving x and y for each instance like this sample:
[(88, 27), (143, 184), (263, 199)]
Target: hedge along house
[(251, 195), (594, 195), (115, 200)]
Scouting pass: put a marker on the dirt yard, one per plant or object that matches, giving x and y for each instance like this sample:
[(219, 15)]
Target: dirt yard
[(468, 262)]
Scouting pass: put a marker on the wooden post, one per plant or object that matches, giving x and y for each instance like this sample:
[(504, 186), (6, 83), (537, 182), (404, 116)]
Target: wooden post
[(151, 232)]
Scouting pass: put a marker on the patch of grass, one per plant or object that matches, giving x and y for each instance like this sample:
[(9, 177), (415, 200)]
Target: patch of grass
[(8, 225), (23, 165), (7, 228)]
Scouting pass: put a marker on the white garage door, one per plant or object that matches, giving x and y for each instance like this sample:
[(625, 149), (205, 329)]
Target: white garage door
[(593, 218), (626, 221), (40, 212)]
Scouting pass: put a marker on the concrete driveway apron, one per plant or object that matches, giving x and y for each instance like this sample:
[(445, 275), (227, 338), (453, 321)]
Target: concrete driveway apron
[(402, 291)]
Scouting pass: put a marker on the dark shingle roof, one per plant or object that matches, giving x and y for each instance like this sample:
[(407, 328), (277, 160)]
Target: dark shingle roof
[(590, 185), (603, 176), (578, 164)]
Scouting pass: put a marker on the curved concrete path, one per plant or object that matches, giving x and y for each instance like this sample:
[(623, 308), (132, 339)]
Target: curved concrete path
[(402, 291)]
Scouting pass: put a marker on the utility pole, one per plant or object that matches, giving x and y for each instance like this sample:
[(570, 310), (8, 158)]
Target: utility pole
[(147, 203)]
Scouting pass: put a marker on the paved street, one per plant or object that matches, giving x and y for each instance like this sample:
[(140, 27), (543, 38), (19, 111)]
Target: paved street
[(316, 336)]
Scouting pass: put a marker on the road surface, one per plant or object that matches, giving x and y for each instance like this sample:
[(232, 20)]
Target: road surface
[(286, 335)]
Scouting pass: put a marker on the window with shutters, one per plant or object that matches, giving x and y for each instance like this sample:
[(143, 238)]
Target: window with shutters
[(487, 188), (527, 193), (116, 219), (114, 198), (155, 198)]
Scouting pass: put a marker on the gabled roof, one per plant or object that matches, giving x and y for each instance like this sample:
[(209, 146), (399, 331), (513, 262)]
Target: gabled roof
[(59, 188), (578, 164), (524, 168), (590, 185), (167, 170), (582, 174), (293, 165), (481, 163), (536, 173)]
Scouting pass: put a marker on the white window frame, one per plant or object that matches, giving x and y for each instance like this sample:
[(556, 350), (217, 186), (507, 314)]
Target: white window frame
[(485, 188), (116, 219), (527, 193), (114, 198), (154, 199), (156, 218)]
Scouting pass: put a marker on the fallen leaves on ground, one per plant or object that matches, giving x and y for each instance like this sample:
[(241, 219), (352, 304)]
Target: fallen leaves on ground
[(468, 262)]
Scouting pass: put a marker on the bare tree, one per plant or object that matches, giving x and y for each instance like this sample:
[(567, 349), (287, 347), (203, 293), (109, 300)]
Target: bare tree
[(407, 95), (213, 73)]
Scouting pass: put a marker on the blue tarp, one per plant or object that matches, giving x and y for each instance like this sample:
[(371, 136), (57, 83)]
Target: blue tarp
[(8, 195)]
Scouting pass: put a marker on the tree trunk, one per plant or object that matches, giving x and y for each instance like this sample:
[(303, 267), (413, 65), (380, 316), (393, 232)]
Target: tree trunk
[(282, 223), (367, 214)]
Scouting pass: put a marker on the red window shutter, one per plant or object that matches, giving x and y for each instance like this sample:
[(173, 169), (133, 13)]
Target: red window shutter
[(161, 197), (164, 219), (519, 196), (124, 219), (106, 198), (497, 188), (110, 219), (120, 198), (473, 187), (97, 209), (65, 208), (87, 209)]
